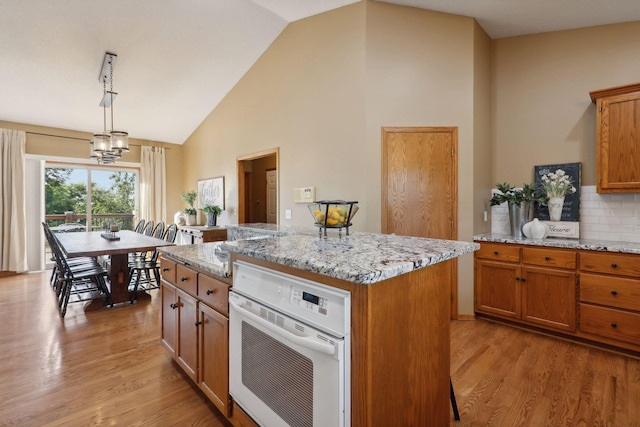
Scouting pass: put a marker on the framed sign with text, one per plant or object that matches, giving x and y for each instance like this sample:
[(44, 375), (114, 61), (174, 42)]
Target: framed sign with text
[(547, 177)]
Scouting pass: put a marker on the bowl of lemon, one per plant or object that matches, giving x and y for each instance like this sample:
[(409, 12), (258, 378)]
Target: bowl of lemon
[(333, 214)]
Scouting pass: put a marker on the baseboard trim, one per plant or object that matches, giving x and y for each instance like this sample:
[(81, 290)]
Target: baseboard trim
[(466, 317)]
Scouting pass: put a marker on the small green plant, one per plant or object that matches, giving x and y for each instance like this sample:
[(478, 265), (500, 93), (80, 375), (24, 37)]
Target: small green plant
[(190, 198), (514, 196), (212, 208)]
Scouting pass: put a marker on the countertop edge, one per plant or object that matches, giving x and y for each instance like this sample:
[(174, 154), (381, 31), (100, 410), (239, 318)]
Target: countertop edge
[(578, 244)]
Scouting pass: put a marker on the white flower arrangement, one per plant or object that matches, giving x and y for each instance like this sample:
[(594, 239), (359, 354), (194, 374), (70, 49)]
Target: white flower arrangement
[(558, 184)]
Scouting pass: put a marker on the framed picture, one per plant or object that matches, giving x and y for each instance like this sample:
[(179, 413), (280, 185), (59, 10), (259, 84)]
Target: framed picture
[(211, 192), (568, 223)]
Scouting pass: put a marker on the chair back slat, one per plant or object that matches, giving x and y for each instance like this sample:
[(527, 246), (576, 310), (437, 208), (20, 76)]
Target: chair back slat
[(139, 226), (148, 228)]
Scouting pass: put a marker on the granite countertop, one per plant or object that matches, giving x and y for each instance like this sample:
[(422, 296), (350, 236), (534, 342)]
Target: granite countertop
[(554, 242), (359, 258)]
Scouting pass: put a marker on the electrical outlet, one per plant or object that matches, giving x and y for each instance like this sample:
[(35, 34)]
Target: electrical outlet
[(287, 214)]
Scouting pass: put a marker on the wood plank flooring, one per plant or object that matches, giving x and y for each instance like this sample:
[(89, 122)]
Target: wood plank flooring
[(108, 368)]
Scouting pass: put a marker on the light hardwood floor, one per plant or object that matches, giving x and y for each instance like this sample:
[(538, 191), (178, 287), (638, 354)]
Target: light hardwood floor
[(108, 368)]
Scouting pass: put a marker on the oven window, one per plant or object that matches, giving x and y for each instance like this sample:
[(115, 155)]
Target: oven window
[(279, 376)]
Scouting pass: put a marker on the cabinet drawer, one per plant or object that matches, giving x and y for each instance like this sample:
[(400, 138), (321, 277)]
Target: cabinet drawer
[(612, 291), (214, 293), (620, 264), (187, 279), (610, 323), (499, 252), (549, 257), (168, 270)]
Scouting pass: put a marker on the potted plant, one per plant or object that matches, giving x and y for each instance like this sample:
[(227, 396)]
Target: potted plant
[(190, 212), (521, 202), (212, 212)]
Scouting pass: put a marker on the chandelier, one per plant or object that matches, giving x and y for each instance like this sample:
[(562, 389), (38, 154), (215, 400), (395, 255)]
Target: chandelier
[(109, 146)]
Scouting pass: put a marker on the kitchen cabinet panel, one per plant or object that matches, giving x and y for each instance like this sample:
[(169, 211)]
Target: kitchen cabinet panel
[(549, 297)]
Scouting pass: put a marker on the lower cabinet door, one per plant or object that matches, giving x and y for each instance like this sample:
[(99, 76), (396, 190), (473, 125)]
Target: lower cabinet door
[(187, 346), (214, 357), (549, 298), (498, 288), (169, 317)]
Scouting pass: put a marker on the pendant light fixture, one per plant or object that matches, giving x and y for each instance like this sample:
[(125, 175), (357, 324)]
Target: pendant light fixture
[(107, 147)]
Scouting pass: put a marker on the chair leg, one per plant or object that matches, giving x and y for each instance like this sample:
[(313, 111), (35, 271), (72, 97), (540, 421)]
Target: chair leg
[(454, 405), (134, 293)]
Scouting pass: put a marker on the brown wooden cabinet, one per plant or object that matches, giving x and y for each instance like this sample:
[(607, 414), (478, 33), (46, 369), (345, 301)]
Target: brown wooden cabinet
[(195, 328), (617, 139), (610, 298), (590, 296), (196, 234), (530, 285)]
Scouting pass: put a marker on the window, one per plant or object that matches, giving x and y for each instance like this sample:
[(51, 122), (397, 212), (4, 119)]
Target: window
[(83, 197)]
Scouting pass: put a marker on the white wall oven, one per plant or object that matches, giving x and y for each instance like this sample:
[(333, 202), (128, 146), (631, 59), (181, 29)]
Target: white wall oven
[(289, 344)]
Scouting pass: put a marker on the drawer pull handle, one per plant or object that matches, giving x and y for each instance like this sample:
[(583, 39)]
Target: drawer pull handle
[(495, 252), (209, 291), (614, 292), (184, 279), (614, 265), (165, 269), (614, 325), (547, 258)]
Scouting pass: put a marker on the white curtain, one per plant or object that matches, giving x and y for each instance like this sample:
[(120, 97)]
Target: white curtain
[(153, 186), (13, 232)]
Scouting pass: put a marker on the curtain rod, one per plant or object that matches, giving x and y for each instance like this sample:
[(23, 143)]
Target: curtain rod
[(84, 139)]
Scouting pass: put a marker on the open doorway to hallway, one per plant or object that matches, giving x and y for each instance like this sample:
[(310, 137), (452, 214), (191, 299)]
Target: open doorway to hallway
[(258, 193)]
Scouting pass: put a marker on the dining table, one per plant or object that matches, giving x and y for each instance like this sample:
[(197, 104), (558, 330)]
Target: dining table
[(117, 246)]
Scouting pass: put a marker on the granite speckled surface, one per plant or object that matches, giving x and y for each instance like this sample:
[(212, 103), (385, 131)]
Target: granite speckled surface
[(360, 258), (581, 244), (207, 256)]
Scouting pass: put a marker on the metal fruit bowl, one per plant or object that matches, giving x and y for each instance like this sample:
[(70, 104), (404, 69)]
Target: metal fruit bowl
[(333, 214)]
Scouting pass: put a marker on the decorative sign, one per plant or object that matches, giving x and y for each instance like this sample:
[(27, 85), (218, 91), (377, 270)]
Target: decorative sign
[(569, 224), (211, 192), (566, 229)]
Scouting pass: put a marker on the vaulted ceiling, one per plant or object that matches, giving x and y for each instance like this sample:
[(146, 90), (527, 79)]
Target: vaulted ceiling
[(178, 59)]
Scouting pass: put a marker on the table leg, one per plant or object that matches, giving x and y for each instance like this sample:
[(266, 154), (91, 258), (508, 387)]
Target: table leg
[(119, 279)]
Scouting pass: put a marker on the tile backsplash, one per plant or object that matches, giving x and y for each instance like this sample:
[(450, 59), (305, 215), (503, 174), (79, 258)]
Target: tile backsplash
[(613, 217)]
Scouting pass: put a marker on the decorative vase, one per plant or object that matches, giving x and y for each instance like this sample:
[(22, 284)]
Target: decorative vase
[(212, 219), (555, 208), (535, 229), (519, 216), (191, 219)]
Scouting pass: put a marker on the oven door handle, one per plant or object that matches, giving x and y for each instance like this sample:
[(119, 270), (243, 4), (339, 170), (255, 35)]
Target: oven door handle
[(306, 341)]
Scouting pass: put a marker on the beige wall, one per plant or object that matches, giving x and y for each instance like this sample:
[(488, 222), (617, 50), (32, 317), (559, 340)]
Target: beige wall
[(542, 112), (323, 91), (73, 148)]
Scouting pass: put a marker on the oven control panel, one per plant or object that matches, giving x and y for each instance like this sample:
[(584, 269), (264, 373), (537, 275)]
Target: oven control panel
[(309, 301)]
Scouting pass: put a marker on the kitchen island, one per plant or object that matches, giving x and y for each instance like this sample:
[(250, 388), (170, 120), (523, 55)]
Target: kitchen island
[(400, 294)]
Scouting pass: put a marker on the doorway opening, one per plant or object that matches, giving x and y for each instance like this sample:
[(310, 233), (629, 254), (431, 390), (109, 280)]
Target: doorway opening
[(258, 187)]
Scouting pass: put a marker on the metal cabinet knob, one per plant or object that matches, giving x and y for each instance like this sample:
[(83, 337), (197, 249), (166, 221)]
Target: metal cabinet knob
[(165, 269), (614, 292), (547, 258), (614, 325), (198, 323), (495, 252), (184, 279), (614, 265), (174, 306), (209, 291)]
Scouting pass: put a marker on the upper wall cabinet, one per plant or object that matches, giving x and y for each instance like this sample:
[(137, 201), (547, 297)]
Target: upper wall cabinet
[(618, 139)]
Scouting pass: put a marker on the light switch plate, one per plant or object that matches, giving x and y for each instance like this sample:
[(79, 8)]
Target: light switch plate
[(304, 195)]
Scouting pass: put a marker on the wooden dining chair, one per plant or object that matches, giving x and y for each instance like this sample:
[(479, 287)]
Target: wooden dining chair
[(148, 228), (145, 267), (139, 226), (84, 282)]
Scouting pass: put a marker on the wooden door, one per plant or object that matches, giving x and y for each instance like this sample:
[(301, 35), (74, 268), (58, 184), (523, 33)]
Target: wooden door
[(497, 289), (169, 317), (272, 196), (420, 185), (549, 298), (187, 345), (214, 357)]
